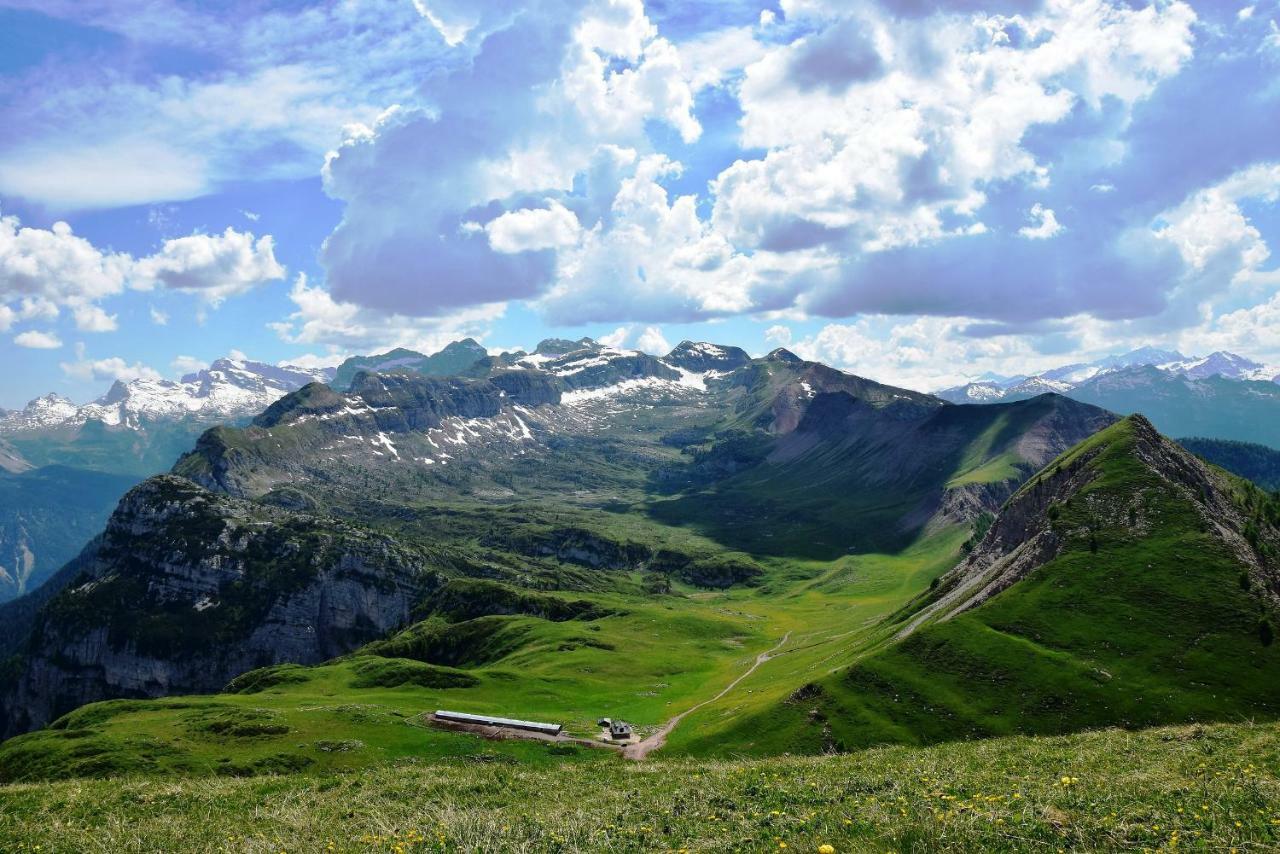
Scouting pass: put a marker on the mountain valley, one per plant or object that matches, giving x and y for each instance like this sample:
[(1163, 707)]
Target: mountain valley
[(748, 556), (565, 535)]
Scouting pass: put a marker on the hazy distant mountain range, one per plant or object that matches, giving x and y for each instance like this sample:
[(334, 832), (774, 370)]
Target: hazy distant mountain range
[(1219, 396), (227, 389), (1063, 379)]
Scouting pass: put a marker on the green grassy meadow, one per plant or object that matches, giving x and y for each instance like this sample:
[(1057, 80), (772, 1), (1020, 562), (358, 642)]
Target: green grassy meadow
[(1210, 788)]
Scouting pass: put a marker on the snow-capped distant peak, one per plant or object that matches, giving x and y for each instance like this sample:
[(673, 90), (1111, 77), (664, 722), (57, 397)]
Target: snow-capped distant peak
[(1063, 379), (1039, 385), (982, 392), (1221, 364), (227, 389), (48, 410)]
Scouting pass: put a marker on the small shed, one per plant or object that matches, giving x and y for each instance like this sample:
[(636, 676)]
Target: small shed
[(619, 730)]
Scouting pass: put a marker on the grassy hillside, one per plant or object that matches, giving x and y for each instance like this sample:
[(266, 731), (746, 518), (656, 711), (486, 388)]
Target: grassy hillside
[(1146, 616), (845, 481), (1214, 788)]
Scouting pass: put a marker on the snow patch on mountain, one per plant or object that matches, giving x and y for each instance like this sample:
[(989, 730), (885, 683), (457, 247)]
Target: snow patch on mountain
[(579, 396)]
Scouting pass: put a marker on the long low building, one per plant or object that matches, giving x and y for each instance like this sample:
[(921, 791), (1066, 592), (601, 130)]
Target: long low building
[(487, 720)]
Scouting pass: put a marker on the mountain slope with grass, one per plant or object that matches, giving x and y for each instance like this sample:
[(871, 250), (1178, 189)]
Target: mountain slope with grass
[(1127, 584), (187, 589)]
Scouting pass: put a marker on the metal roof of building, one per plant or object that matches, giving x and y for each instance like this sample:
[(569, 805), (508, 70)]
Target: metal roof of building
[(464, 717)]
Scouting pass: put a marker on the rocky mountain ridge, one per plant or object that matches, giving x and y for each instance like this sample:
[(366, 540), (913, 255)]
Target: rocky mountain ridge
[(455, 358), (1024, 535)]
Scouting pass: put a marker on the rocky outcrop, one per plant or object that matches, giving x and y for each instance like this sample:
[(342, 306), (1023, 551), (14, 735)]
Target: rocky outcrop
[(270, 453), (577, 546), (187, 589), (468, 598), (403, 403), (527, 388)]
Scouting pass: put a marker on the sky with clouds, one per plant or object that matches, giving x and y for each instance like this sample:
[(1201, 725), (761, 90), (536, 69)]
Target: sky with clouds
[(919, 191)]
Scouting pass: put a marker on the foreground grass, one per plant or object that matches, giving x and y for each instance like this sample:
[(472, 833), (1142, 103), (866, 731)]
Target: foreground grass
[(1213, 788)]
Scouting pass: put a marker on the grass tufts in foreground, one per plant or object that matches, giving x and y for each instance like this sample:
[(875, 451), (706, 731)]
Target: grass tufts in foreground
[(1211, 788)]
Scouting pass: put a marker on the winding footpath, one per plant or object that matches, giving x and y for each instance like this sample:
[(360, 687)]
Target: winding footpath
[(642, 749)]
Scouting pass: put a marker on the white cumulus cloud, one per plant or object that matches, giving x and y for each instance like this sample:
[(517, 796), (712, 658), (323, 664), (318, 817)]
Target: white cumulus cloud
[(347, 329), (44, 271), (652, 341), (780, 335), (183, 365), (437, 215), (37, 340), (109, 369), (212, 266), (1209, 228), (531, 229)]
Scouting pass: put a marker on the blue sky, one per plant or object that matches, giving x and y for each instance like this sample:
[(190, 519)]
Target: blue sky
[(920, 191)]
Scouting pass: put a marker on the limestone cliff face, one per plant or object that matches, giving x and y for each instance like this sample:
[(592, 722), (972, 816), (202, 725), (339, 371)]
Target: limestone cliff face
[(187, 589)]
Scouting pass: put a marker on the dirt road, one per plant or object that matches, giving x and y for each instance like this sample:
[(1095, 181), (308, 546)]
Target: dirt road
[(641, 749)]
